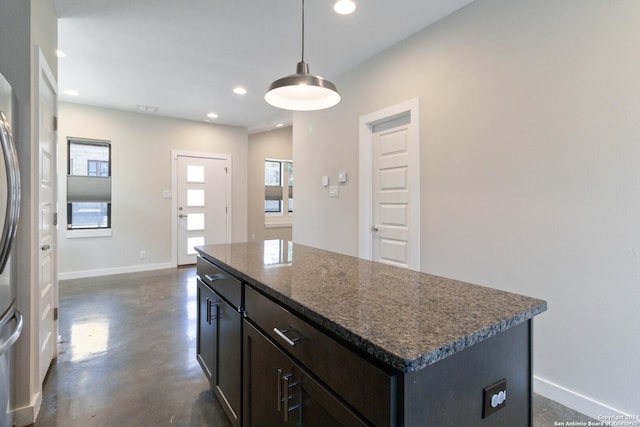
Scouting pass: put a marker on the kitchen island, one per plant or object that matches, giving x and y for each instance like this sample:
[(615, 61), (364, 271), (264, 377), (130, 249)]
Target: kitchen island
[(318, 338)]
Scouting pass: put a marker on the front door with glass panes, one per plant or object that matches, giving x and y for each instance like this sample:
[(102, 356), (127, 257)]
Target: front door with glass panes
[(202, 204)]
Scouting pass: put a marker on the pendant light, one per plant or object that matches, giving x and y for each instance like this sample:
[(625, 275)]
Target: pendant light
[(302, 91)]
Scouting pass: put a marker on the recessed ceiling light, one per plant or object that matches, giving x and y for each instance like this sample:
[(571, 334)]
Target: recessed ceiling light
[(212, 115), (60, 54), (279, 125), (71, 92), (147, 108), (344, 7), (240, 91)]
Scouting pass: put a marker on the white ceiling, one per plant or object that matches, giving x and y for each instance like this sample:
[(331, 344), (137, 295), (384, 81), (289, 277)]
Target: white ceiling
[(185, 57)]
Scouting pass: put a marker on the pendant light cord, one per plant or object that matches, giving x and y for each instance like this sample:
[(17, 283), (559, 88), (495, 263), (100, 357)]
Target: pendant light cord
[(302, 30)]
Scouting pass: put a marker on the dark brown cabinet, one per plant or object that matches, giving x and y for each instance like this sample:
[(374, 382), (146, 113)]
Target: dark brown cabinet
[(219, 349), (278, 392), (207, 331)]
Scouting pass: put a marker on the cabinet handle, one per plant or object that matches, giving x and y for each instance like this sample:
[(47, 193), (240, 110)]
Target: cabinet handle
[(279, 374), (214, 306), (210, 305), (286, 398), (281, 334), (215, 277)]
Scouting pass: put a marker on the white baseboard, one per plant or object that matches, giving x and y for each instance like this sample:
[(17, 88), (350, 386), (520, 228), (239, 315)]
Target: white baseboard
[(117, 270), (574, 400), (27, 414)]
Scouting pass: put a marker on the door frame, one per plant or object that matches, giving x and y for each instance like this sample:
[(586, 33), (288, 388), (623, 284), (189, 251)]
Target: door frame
[(174, 199), (366, 124)]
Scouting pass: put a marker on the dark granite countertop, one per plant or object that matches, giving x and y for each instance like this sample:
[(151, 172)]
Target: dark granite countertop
[(406, 319)]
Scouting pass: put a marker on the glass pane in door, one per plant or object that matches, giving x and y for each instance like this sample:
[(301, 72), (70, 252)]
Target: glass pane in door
[(195, 198), (195, 173), (195, 221), (194, 241)]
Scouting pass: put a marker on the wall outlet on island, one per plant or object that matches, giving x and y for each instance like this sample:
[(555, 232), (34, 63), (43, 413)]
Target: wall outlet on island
[(143, 254), (494, 398)]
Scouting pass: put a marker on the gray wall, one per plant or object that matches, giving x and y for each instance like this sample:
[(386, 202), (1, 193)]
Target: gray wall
[(141, 147), (275, 144), (530, 173)]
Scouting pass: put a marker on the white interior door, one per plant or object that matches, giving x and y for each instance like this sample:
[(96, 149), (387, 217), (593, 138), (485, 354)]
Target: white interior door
[(47, 276), (390, 162), (202, 212)]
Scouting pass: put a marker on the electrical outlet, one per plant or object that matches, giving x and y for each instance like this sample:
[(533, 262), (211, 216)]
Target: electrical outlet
[(494, 398), (143, 254)]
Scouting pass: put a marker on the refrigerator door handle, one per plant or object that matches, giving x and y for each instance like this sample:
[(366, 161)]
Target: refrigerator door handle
[(13, 193), (15, 335)]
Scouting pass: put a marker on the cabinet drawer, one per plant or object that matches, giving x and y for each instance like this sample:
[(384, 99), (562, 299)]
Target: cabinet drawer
[(225, 285), (367, 388)]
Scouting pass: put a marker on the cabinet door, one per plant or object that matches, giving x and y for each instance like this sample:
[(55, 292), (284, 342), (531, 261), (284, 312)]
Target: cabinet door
[(277, 392), (207, 331), (228, 380), (264, 368), (319, 408)]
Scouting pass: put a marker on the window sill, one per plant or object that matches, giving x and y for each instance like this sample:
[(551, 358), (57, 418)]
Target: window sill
[(281, 224), (81, 234)]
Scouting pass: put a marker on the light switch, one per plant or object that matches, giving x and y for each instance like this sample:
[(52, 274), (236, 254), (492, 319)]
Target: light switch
[(325, 181), (342, 177), (166, 194)]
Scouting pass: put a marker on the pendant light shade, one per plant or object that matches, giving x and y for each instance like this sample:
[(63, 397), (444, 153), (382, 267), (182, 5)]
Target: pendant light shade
[(302, 91)]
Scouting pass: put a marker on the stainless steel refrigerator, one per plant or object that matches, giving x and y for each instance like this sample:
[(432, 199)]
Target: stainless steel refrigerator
[(10, 317)]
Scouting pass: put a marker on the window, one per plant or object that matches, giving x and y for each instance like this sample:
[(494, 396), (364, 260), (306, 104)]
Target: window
[(97, 168), (88, 184), (289, 166), (273, 186), (278, 187)]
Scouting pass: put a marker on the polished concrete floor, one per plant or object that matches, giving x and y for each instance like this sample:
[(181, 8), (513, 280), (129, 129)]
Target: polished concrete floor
[(127, 357)]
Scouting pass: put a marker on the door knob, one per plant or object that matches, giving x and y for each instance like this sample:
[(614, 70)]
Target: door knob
[(375, 228), (182, 216)]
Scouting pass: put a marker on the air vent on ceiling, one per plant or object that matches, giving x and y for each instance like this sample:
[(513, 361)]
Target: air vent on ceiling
[(147, 108)]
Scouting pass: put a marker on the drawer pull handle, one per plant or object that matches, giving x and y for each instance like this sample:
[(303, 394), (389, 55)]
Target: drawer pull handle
[(281, 334), (215, 277)]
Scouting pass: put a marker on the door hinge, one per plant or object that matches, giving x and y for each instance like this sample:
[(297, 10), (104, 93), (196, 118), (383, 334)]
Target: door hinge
[(55, 122), (55, 219), (55, 313), (226, 170)]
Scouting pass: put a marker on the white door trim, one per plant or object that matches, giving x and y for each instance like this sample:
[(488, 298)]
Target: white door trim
[(367, 122), (174, 200)]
